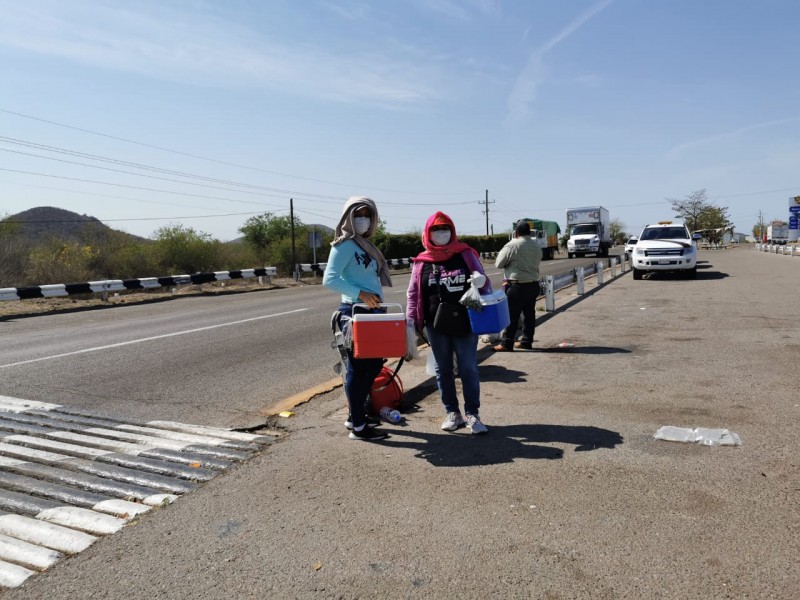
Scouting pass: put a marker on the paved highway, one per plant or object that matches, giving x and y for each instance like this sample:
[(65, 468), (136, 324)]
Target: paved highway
[(216, 361)]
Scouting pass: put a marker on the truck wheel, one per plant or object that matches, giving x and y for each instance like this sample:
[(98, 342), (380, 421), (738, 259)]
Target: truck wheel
[(570, 255), (637, 274), (691, 273)]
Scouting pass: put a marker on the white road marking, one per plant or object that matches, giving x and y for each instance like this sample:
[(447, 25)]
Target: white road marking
[(30, 544), (27, 554), (13, 575), (148, 339), (48, 535), (82, 519)]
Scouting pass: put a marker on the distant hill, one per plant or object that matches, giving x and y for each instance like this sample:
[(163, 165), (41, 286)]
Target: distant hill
[(39, 224)]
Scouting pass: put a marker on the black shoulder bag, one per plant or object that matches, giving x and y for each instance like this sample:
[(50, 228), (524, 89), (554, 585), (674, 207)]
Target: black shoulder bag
[(451, 318)]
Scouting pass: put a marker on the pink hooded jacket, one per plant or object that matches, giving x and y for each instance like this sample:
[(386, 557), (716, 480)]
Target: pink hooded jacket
[(415, 308)]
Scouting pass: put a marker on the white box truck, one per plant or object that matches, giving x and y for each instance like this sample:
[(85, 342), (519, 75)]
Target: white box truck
[(777, 234), (589, 231)]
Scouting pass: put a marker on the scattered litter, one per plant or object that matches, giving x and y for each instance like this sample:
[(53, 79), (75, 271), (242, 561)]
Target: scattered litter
[(317, 566), (286, 414), (566, 344), (701, 435)]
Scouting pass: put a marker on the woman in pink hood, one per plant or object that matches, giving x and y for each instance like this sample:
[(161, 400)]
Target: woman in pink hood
[(442, 273)]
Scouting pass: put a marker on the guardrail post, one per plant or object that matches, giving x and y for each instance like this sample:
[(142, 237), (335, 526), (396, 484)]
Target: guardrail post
[(549, 294), (600, 268), (579, 282), (613, 262)]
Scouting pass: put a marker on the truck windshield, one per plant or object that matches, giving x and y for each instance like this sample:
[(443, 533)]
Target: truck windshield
[(664, 233), (579, 229)]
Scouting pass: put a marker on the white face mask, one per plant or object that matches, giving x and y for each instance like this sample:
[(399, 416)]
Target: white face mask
[(362, 224), (440, 237)]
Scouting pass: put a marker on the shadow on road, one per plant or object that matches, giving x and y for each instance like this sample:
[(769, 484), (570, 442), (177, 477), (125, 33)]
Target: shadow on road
[(584, 350), (503, 444), (702, 273)]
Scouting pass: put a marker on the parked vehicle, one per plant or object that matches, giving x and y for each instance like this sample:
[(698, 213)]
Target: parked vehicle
[(777, 234), (546, 235), (589, 231), (664, 246), (629, 246)]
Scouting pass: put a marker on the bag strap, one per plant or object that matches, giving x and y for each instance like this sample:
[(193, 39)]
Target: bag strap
[(391, 379), (437, 272)]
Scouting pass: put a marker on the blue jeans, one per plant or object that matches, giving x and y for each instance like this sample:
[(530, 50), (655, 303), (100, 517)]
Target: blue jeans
[(360, 376), (465, 349)]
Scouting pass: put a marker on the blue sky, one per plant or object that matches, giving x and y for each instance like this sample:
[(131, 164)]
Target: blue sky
[(203, 113)]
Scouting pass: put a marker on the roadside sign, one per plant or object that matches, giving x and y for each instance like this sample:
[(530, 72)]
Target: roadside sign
[(793, 221), (795, 210), (315, 238)]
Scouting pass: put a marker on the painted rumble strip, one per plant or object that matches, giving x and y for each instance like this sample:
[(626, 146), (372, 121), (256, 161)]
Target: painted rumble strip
[(68, 476)]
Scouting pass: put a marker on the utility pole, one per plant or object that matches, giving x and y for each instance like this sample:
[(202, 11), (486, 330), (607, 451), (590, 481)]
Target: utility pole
[(486, 204), (294, 254)]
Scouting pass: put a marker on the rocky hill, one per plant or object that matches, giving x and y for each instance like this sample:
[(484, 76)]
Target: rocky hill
[(39, 224)]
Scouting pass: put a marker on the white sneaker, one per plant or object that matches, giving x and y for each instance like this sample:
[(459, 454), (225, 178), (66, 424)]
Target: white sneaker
[(474, 423), (453, 421)]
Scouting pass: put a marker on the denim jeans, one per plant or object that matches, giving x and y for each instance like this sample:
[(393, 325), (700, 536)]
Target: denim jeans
[(521, 299), (360, 376), (465, 349)]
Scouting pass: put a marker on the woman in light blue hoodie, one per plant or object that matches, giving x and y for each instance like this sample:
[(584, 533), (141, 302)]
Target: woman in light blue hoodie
[(357, 269)]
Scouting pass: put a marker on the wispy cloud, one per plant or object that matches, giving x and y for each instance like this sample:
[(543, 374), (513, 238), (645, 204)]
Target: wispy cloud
[(200, 49), (352, 11), (533, 74), (721, 137)]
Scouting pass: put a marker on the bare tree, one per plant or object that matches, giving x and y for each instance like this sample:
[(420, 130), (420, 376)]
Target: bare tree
[(691, 208)]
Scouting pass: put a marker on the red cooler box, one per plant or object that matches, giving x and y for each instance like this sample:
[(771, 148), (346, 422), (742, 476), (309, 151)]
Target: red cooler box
[(381, 335)]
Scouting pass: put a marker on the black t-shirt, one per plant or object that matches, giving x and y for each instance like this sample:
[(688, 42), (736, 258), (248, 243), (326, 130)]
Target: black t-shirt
[(453, 276)]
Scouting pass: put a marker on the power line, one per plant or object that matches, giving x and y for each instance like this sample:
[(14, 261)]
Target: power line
[(84, 193), (305, 195), (136, 187), (221, 162), (16, 222), (213, 187)]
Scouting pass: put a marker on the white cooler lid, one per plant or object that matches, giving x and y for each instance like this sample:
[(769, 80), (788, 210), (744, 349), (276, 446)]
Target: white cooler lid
[(493, 298), (375, 317)]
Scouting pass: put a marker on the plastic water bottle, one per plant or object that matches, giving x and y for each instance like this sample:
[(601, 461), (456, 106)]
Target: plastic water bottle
[(391, 415)]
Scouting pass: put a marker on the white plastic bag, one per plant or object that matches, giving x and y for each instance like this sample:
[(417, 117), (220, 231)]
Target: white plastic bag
[(472, 297), (412, 351), (430, 366)]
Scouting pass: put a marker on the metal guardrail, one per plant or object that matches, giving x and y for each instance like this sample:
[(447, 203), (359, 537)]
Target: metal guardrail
[(551, 284), (785, 249)]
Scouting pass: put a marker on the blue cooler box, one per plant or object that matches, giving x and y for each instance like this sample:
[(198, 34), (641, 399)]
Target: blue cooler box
[(494, 316)]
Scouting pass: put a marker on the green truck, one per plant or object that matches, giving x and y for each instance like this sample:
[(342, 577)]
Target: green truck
[(546, 234)]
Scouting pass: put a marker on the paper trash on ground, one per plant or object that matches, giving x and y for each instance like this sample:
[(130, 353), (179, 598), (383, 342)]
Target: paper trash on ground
[(702, 435)]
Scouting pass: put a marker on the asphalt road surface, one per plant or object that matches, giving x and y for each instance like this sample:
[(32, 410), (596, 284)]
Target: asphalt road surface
[(568, 496), (217, 361)]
